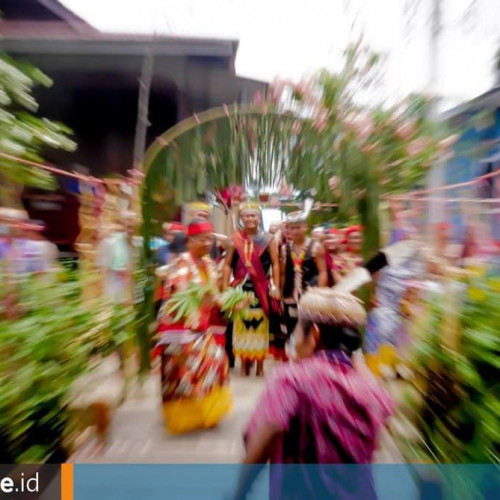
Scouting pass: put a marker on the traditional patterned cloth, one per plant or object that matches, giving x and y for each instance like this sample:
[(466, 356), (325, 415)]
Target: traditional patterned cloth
[(251, 266), (328, 414), (195, 379), (217, 327), (195, 384)]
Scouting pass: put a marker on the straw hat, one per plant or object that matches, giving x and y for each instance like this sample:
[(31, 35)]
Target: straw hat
[(329, 307)]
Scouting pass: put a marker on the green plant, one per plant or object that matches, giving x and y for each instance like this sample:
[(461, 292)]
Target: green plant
[(458, 390), (316, 136), (186, 304), (235, 302), (353, 153), (42, 353)]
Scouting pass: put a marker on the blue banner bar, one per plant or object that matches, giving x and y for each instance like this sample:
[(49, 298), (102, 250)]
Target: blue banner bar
[(297, 482)]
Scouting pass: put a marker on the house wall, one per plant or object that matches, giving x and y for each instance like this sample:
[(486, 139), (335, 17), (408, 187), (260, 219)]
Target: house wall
[(480, 140), (472, 147)]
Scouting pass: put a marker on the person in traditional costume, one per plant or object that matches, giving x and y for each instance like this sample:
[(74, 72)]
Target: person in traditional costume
[(354, 244), (194, 369), (199, 210), (322, 409), (303, 265), (335, 262), (276, 336), (253, 261)]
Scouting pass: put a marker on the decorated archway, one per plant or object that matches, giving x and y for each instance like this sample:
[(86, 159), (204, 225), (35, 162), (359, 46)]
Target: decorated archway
[(314, 137), (207, 154)]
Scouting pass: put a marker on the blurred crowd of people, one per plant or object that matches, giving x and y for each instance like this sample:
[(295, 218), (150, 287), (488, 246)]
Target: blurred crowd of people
[(325, 401), (321, 395), (289, 261), (23, 248)]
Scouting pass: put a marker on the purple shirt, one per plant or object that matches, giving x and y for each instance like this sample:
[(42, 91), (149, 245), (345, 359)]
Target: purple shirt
[(21, 256), (329, 414)]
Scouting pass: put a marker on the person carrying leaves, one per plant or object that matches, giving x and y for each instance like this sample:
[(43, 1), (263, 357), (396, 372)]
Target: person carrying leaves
[(194, 369)]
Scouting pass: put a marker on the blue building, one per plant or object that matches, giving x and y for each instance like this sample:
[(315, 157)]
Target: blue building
[(478, 150)]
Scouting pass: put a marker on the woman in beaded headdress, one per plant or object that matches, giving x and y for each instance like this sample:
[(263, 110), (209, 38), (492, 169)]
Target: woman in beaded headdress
[(320, 409), (253, 262)]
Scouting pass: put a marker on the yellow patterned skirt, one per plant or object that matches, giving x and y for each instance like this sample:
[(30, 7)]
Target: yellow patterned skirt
[(190, 414), (195, 384), (251, 336)]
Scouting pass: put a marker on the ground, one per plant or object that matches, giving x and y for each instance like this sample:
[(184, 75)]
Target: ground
[(139, 436)]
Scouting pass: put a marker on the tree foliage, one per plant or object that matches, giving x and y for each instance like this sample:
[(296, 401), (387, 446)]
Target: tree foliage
[(22, 133)]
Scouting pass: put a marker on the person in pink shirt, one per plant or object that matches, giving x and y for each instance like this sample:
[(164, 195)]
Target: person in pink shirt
[(320, 409)]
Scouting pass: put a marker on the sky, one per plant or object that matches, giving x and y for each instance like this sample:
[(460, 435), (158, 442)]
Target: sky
[(293, 38)]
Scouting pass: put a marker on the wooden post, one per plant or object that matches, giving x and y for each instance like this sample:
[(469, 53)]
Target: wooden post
[(142, 121)]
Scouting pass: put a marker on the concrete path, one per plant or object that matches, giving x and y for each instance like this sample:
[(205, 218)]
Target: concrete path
[(139, 436)]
